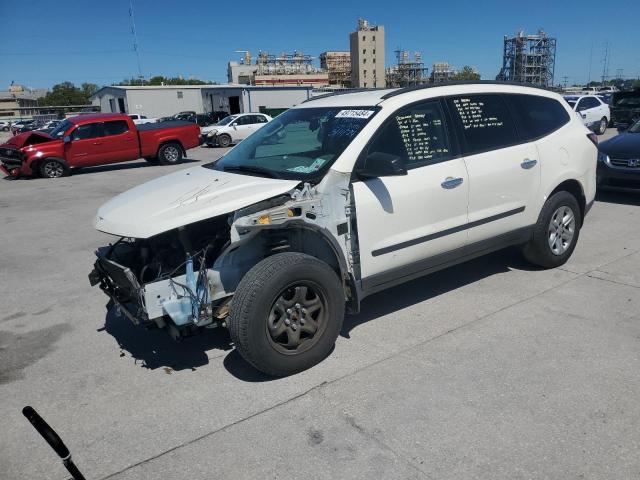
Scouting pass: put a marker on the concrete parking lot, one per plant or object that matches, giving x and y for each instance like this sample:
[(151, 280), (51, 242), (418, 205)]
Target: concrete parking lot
[(491, 369)]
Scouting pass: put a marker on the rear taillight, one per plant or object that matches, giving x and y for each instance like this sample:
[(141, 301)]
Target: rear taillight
[(593, 137)]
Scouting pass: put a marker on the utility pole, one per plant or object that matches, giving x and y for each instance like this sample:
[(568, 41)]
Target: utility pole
[(590, 63), (564, 80), (605, 63), (135, 40)]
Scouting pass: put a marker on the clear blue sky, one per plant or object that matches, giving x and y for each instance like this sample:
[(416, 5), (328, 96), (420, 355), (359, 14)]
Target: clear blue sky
[(43, 42)]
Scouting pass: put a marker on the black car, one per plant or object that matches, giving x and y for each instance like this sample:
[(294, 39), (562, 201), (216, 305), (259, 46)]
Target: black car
[(625, 108), (619, 159)]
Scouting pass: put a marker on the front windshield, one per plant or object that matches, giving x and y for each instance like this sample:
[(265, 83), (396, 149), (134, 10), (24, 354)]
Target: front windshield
[(227, 120), (635, 128), (298, 143), (62, 127)]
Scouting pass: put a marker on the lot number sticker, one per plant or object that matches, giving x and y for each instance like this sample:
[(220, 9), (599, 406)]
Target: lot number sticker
[(354, 113)]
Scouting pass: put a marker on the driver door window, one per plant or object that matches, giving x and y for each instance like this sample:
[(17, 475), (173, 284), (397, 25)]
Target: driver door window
[(406, 220)]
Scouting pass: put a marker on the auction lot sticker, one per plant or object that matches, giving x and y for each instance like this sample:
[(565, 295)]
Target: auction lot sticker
[(354, 113)]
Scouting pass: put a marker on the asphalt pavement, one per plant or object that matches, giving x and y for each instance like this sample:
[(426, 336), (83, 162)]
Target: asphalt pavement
[(492, 369)]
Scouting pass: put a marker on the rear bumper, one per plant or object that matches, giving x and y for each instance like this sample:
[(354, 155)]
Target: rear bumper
[(607, 176)]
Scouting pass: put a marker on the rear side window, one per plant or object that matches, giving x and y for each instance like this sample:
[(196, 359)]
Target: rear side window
[(116, 127), (588, 102), (417, 134), (485, 122), (538, 116)]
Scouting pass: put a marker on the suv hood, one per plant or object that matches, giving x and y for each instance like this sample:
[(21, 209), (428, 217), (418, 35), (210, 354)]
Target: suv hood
[(182, 198)]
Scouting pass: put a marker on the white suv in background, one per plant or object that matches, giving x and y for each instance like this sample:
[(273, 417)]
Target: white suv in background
[(141, 119), (595, 113), (340, 197), (232, 129)]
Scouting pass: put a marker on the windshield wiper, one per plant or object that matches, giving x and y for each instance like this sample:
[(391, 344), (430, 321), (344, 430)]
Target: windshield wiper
[(251, 169)]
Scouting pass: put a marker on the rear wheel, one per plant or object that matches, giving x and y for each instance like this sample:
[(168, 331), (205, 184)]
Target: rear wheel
[(53, 168), (224, 140), (602, 126), (556, 232), (287, 313), (170, 154)]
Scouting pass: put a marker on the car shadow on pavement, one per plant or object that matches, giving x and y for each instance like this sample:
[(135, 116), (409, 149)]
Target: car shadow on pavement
[(435, 284), (124, 166), (154, 348), (619, 197)]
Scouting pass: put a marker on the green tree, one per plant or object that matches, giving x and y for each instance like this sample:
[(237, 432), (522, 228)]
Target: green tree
[(66, 93), (636, 85), (89, 89), (162, 80), (467, 73)]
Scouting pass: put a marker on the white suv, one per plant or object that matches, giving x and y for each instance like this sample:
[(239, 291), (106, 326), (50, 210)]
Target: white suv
[(341, 197), (232, 129), (593, 111)]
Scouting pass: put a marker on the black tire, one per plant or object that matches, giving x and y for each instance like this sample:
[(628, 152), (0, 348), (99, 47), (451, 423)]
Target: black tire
[(152, 160), (53, 168), (602, 126), (258, 313), (224, 140), (538, 250), (170, 154)]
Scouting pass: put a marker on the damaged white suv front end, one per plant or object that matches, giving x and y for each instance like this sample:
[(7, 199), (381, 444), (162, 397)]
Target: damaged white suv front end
[(188, 239)]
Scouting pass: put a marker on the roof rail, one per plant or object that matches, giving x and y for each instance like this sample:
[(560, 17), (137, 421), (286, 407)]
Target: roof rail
[(400, 91), (341, 92)]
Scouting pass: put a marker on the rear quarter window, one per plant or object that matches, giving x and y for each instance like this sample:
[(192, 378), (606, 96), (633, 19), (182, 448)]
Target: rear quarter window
[(537, 116)]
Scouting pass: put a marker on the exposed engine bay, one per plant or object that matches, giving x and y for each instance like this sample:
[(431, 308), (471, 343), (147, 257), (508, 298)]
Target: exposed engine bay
[(184, 279)]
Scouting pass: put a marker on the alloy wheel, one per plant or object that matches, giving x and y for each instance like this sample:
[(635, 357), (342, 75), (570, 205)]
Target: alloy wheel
[(562, 228), (53, 169)]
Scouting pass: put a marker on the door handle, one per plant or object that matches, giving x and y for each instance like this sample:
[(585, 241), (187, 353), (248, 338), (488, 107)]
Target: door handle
[(451, 182), (527, 164), (583, 115)]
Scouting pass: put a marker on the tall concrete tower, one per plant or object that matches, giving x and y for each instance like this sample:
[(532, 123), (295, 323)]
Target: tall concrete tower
[(367, 56)]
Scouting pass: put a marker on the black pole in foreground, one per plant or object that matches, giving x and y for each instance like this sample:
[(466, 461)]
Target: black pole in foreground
[(53, 440)]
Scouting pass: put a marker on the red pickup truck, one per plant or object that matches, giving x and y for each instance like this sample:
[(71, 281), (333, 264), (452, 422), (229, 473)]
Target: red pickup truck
[(96, 139)]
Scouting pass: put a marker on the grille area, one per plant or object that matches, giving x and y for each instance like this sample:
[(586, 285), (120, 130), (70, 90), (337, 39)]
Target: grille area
[(625, 163)]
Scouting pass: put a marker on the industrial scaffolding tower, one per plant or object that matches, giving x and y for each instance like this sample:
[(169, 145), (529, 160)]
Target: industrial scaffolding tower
[(407, 73), (529, 59)]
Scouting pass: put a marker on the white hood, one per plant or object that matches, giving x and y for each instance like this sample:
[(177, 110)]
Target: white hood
[(182, 198)]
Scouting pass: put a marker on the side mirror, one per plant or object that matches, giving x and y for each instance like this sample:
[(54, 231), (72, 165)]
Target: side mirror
[(379, 164), (66, 139)]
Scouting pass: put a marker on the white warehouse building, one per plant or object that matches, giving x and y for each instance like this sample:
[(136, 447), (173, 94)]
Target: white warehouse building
[(166, 100)]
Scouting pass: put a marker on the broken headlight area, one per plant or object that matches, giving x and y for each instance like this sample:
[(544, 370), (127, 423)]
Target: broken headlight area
[(166, 277)]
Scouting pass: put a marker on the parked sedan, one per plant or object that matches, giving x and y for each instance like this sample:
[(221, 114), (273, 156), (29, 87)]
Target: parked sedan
[(619, 159), (593, 110), (232, 129)]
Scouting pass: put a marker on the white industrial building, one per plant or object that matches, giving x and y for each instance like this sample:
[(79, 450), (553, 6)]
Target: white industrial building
[(166, 100)]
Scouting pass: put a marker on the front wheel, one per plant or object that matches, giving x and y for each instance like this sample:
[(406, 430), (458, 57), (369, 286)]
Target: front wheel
[(556, 233), (286, 313), (53, 168), (224, 140), (170, 154)]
